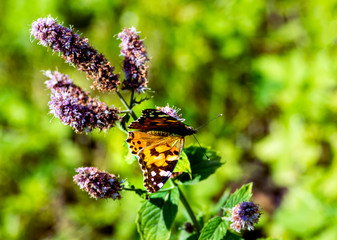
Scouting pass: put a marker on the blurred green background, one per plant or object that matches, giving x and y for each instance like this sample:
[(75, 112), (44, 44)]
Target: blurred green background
[(268, 66)]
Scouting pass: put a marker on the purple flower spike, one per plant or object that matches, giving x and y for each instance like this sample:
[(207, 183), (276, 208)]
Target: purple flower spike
[(244, 216), (76, 50), (76, 108), (97, 183), (135, 60)]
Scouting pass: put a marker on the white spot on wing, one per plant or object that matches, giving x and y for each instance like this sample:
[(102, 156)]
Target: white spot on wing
[(153, 173), (160, 185), (164, 173)]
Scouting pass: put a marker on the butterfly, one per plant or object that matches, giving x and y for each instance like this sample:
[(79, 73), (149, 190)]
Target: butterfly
[(157, 144)]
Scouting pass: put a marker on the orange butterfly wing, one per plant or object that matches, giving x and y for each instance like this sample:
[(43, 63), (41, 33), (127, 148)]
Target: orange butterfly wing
[(157, 156), (157, 145)]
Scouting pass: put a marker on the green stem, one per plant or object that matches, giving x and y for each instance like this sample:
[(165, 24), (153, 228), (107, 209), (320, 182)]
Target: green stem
[(126, 105), (131, 98), (188, 209), (134, 189)]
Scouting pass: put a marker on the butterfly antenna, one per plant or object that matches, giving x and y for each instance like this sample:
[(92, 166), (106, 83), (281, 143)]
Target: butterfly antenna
[(203, 126), (208, 122), (201, 147)]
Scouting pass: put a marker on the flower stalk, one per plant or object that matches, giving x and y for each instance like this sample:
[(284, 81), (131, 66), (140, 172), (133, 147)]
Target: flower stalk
[(129, 108), (188, 209)]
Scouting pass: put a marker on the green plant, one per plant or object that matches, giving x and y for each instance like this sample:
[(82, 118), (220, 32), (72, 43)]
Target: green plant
[(76, 108)]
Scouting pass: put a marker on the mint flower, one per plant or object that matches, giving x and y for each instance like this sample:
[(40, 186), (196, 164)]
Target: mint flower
[(76, 108), (76, 50), (172, 111), (98, 184), (135, 60), (244, 216)]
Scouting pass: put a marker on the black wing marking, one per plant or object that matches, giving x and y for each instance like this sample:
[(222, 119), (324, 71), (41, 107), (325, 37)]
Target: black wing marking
[(156, 120)]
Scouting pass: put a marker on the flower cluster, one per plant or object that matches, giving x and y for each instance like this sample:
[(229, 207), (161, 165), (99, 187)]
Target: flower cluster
[(97, 183), (76, 50), (76, 108), (244, 216), (135, 60), (172, 111)]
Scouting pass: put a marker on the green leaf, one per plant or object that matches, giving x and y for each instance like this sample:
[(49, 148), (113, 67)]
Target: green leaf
[(269, 238), (122, 124), (183, 165), (193, 237), (214, 229), (156, 215), (240, 195), (201, 167), (187, 236), (137, 102), (232, 236), (221, 202)]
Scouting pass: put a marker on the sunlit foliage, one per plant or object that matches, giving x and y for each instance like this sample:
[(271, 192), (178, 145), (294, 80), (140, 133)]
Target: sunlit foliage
[(268, 66)]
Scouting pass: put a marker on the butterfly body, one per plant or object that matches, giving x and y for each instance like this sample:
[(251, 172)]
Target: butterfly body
[(157, 144)]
